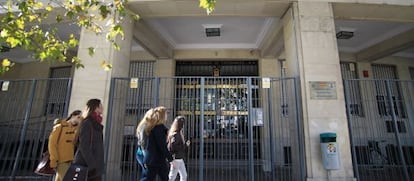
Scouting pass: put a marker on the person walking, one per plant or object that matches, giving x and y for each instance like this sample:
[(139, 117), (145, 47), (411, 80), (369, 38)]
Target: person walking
[(152, 136), (178, 147), (90, 152), (142, 137), (61, 144)]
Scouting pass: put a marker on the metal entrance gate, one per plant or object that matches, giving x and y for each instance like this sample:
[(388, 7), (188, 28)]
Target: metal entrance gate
[(240, 128), (27, 111), (381, 121)]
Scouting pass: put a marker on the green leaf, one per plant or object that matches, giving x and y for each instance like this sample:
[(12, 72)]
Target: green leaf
[(91, 51), (72, 41), (59, 18), (70, 14), (104, 11), (13, 41), (116, 46)]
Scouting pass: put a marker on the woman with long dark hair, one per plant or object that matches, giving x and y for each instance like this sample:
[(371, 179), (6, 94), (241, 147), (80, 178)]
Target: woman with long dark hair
[(178, 147), (90, 151)]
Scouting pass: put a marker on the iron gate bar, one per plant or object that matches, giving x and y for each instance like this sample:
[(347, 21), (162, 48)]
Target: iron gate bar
[(250, 127), (201, 170), (351, 139), (272, 159), (24, 129), (157, 95), (68, 92), (397, 135)]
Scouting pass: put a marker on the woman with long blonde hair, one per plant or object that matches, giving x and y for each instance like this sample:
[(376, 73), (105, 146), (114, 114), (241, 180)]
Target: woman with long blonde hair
[(152, 151)]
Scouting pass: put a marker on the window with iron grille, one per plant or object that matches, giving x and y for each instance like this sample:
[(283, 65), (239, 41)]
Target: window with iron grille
[(57, 90), (349, 72), (287, 155), (144, 71), (226, 68), (141, 69), (391, 128), (386, 75)]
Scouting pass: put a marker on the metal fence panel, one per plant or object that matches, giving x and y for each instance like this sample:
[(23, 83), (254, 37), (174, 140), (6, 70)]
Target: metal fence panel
[(27, 111), (382, 138), (241, 128)]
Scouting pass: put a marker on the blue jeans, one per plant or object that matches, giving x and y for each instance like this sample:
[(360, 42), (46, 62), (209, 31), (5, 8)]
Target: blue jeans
[(140, 158), (149, 173)]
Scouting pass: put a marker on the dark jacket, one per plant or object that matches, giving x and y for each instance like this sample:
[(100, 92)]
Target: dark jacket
[(177, 146), (90, 151), (156, 150)]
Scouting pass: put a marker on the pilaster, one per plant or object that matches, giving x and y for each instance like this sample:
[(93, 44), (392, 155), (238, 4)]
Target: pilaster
[(312, 55), (93, 81)]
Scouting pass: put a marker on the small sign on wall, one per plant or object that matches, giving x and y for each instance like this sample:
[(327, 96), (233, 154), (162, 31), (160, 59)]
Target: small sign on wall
[(266, 83), (133, 84), (5, 86), (322, 90)]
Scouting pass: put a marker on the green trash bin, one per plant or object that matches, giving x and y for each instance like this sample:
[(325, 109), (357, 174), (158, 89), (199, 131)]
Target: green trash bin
[(328, 137), (330, 151)]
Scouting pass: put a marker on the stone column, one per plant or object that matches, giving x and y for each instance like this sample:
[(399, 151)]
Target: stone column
[(312, 55), (94, 82)]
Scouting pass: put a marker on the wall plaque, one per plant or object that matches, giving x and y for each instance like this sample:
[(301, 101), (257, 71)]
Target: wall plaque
[(323, 90)]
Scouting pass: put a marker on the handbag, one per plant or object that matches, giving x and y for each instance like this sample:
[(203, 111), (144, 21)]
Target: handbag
[(43, 168), (76, 172)]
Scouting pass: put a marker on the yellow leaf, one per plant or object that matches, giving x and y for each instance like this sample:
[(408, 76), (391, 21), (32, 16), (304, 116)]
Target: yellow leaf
[(4, 33), (6, 63), (12, 41), (32, 17), (49, 8), (20, 24), (108, 67), (103, 63), (38, 5)]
